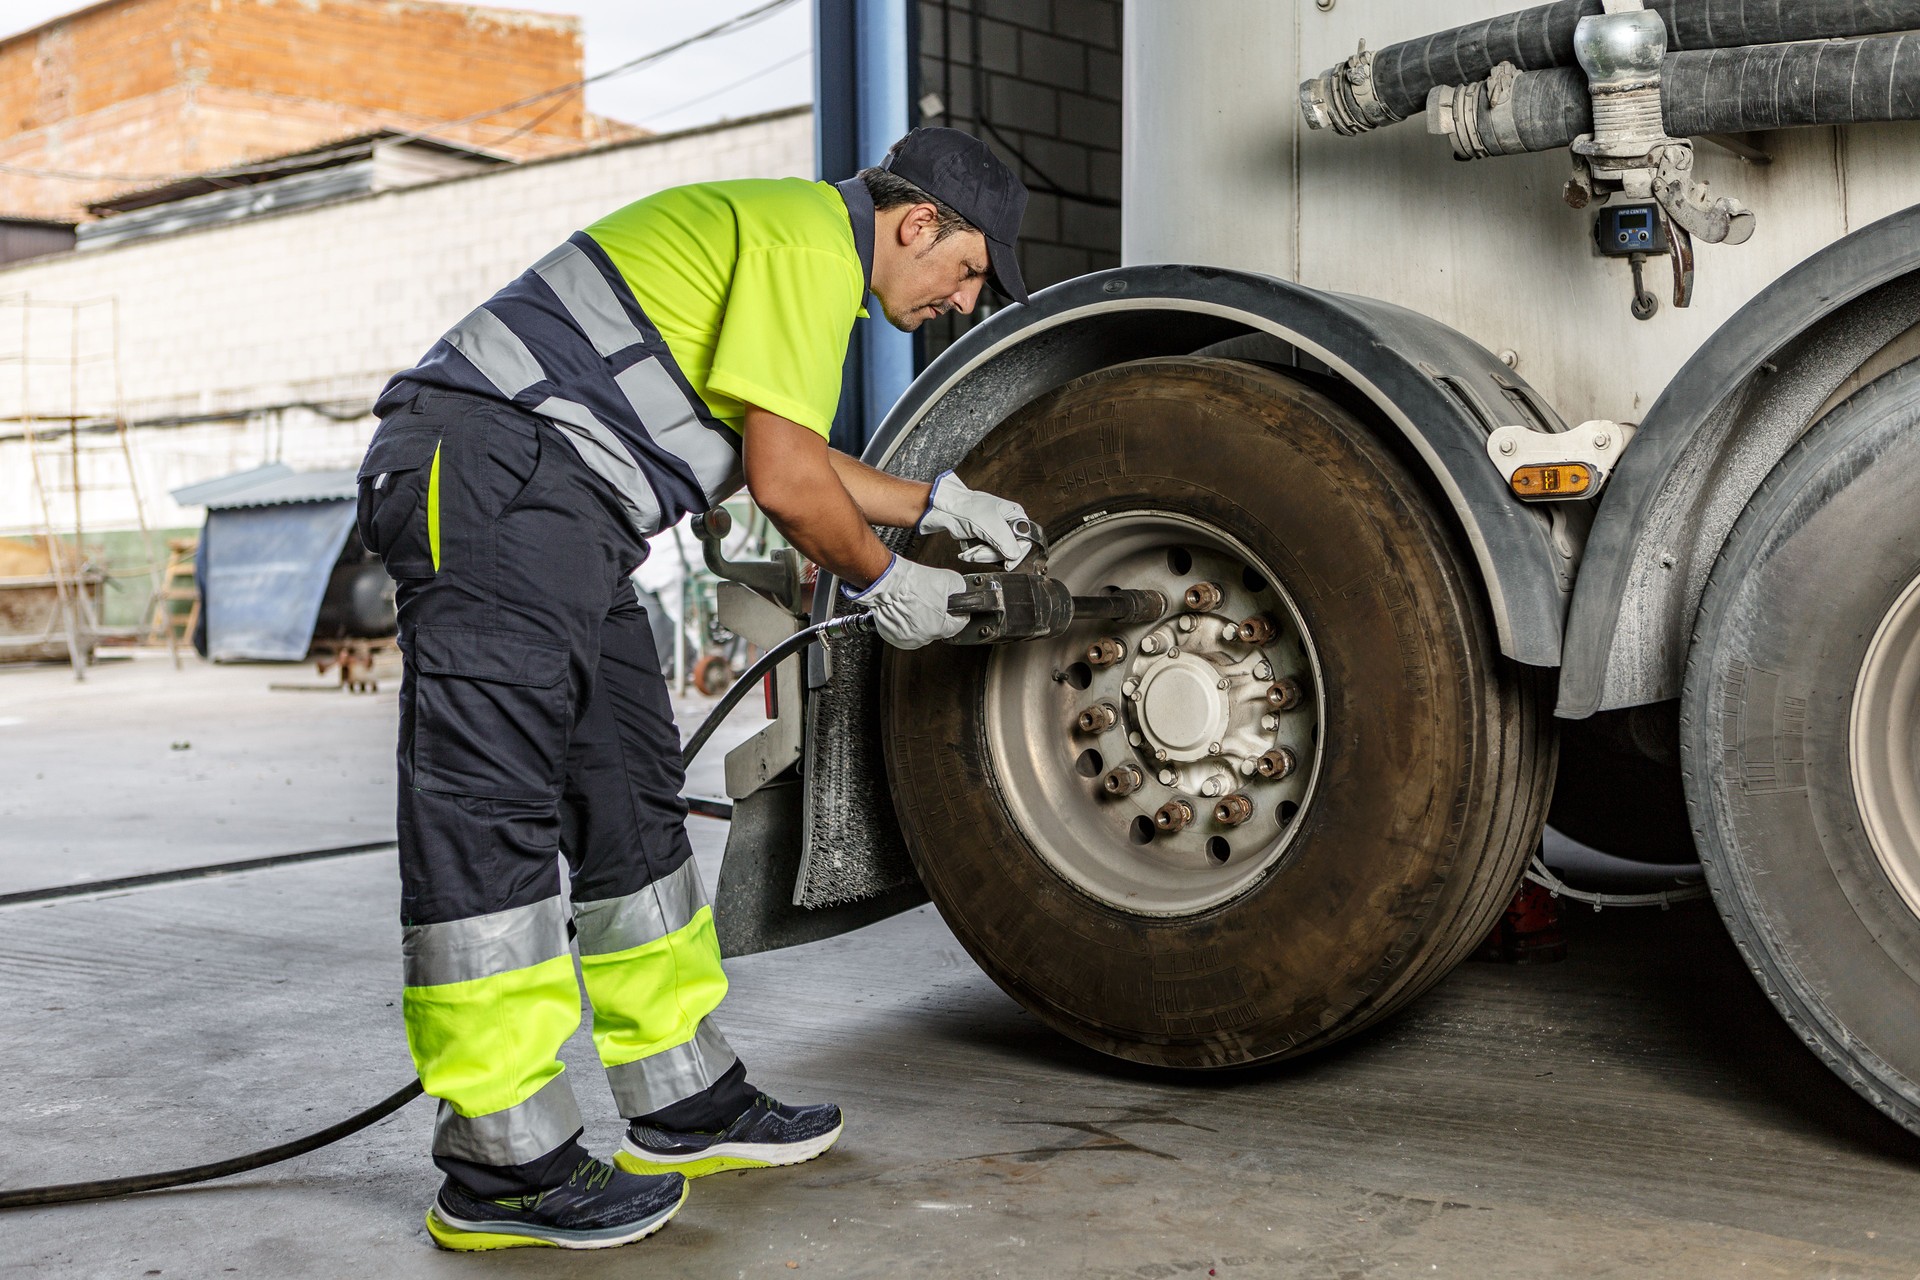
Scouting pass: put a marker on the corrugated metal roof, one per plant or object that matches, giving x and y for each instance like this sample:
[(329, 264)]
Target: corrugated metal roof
[(271, 485)]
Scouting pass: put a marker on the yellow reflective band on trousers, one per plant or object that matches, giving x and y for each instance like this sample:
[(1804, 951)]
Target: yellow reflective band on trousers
[(492, 1043), (433, 509), (650, 998)]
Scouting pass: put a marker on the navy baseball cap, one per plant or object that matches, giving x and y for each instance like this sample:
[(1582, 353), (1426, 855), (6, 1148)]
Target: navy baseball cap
[(958, 170)]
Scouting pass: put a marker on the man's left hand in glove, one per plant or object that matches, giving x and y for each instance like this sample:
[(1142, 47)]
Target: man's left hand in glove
[(983, 525)]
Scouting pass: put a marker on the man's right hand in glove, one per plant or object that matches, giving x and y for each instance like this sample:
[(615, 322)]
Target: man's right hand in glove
[(909, 603)]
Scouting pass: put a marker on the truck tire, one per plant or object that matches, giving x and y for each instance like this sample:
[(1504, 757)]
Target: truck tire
[(1420, 758), (1800, 740)]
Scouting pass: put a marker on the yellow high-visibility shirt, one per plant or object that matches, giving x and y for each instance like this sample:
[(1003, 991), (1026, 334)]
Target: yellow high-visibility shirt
[(754, 284)]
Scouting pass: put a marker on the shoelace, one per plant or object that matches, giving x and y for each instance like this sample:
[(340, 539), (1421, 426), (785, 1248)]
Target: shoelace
[(598, 1172)]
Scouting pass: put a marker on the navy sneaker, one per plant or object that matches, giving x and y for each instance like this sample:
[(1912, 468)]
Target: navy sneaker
[(597, 1207), (766, 1135)]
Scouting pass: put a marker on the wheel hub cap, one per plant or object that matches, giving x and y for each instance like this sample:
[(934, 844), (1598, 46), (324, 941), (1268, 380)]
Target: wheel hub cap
[(1165, 774), (1183, 707)]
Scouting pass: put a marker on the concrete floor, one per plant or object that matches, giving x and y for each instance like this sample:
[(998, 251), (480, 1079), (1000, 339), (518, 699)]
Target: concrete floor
[(1636, 1111)]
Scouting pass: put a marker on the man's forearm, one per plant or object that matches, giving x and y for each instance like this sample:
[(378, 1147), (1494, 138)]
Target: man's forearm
[(883, 499), (790, 475)]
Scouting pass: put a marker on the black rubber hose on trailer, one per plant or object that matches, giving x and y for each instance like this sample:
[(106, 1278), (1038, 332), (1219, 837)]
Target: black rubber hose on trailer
[(1787, 86), (111, 1188), (1541, 38)]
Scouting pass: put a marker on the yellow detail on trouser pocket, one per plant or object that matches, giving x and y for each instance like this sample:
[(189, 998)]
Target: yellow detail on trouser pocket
[(433, 509), (649, 998), (492, 1043)]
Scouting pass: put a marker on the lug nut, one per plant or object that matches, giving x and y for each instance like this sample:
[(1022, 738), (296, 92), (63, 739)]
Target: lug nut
[(1123, 780), (1204, 597), (1275, 764), (1175, 815), (1285, 695), (1104, 653), (1259, 629), (1233, 811), (1099, 718)]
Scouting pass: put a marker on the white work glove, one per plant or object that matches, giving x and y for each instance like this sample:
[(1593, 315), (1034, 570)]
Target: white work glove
[(980, 522), (909, 603)]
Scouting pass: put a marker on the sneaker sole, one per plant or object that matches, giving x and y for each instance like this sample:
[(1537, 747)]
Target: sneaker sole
[(462, 1236), (726, 1156)]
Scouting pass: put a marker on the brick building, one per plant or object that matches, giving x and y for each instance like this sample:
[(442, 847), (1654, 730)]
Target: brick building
[(147, 90)]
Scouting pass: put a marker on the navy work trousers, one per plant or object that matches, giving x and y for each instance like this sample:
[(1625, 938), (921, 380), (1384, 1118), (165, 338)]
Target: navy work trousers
[(534, 722)]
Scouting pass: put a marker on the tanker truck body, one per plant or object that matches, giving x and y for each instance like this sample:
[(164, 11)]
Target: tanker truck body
[(1519, 410)]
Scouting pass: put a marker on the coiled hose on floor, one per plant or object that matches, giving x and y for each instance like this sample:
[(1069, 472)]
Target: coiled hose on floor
[(109, 1188)]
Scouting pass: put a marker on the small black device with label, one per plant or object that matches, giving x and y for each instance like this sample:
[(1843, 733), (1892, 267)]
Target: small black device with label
[(1624, 230)]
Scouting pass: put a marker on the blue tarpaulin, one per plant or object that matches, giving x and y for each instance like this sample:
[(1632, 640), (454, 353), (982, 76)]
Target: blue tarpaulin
[(272, 538), (267, 568)]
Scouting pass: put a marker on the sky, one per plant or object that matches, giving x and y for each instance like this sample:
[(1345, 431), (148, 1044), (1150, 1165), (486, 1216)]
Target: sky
[(656, 96)]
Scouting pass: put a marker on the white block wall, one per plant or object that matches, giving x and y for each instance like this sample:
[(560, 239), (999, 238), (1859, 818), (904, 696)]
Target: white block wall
[(316, 305)]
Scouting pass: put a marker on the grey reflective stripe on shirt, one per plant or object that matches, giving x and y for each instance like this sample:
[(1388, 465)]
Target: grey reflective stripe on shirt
[(484, 946), (518, 1135), (663, 410), (606, 925), (589, 299), (645, 1085), (607, 458), (496, 351)]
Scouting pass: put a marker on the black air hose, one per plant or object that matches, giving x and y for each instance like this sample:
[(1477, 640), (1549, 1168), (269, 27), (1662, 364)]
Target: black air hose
[(1540, 38), (1823, 82), (111, 1188)]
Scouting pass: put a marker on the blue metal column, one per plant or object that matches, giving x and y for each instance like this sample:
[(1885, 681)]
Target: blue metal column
[(863, 82)]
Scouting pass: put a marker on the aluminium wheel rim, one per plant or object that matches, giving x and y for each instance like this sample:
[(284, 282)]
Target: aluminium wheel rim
[(1201, 717), (1883, 748)]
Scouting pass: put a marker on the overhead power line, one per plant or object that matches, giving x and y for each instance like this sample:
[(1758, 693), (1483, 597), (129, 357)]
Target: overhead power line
[(739, 22), (767, 70)]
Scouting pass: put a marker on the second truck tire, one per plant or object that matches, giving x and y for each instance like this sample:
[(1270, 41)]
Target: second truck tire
[(1423, 757), (1800, 739)]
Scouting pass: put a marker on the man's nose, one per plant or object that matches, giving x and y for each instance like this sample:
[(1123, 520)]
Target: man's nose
[(963, 298)]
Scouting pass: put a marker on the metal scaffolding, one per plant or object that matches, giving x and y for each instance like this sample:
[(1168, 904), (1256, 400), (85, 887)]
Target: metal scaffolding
[(70, 416)]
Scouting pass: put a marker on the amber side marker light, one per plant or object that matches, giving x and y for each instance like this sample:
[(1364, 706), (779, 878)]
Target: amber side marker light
[(1545, 482)]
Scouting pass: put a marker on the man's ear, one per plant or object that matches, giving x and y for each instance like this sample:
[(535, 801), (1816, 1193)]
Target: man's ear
[(916, 220)]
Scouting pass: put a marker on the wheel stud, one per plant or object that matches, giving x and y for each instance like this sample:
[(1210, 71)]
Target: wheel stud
[(1123, 780), (1099, 718), (1175, 815), (1233, 811), (1104, 653), (1285, 695), (1204, 597), (1275, 764), (1259, 629)]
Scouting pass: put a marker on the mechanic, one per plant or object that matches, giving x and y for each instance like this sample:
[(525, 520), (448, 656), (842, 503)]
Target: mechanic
[(637, 373)]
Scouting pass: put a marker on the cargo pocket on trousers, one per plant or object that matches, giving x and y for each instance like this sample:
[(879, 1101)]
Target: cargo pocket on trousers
[(492, 713), (395, 521)]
